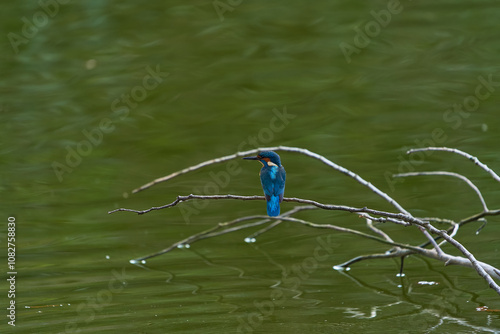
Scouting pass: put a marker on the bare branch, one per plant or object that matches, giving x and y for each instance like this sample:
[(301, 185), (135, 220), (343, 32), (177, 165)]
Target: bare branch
[(475, 217), (462, 153), (181, 199), (438, 220), (384, 219), (484, 270), (193, 168), (384, 235), (398, 216), (401, 217), (277, 222), (448, 259), (454, 232), (392, 216), (306, 152), (433, 242), (478, 216), (263, 230), (461, 177), (350, 231)]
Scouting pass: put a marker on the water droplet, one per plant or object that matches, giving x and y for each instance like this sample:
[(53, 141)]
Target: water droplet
[(133, 261), (427, 283), (107, 257), (400, 275), (249, 240), (143, 261), (340, 268)]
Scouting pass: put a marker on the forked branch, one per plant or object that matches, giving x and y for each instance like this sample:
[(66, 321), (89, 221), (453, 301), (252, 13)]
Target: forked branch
[(401, 217)]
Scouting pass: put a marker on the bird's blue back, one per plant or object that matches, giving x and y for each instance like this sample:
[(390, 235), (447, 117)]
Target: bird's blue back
[(273, 179)]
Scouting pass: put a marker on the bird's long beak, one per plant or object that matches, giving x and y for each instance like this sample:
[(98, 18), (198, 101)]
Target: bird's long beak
[(251, 158)]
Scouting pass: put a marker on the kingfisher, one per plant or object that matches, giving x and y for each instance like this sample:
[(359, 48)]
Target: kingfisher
[(272, 178)]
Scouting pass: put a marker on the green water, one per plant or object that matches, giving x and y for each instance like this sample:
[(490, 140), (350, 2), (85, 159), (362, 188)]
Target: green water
[(100, 97)]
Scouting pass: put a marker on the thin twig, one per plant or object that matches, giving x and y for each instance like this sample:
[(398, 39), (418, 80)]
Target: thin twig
[(467, 220), (371, 257), (369, 223), (438, 220), (433, 242), (277, 222), (350, 231), (440, 173), (453, 230), (181, 199), (462, 153), (384, 219), (452, 234), (264, 230)]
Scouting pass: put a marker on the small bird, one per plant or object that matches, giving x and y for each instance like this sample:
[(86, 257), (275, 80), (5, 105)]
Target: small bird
[(272, 178)]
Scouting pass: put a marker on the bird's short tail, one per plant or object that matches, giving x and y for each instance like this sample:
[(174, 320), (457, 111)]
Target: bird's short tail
[(273, 206)]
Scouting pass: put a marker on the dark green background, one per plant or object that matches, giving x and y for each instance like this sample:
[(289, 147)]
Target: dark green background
[(226, 75)]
